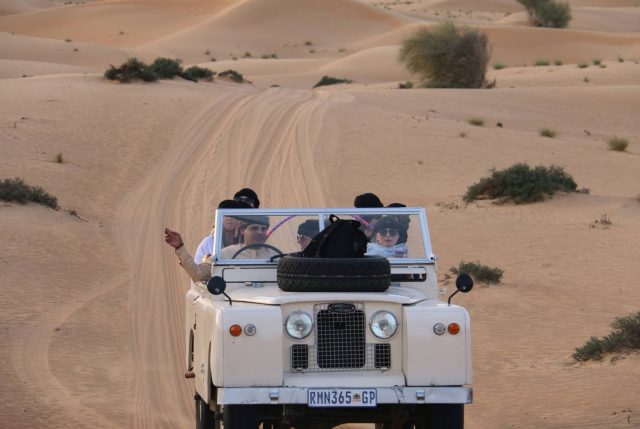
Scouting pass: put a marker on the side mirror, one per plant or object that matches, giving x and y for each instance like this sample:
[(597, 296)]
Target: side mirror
[(464, 283), (216, 285)]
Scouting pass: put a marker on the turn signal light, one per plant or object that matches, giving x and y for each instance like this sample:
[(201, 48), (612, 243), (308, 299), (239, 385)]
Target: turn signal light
[(235, 330), (453, 328)]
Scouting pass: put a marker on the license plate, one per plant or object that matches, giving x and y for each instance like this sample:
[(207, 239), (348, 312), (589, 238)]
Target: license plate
[(341, 397)]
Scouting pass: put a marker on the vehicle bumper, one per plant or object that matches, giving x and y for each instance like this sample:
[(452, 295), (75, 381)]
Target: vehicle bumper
[(385, 395)]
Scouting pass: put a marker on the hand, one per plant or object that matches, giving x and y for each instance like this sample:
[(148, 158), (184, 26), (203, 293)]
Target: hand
[(172, 238)]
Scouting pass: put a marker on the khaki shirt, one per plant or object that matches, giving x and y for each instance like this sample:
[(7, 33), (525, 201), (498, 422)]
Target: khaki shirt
[(202, 272)]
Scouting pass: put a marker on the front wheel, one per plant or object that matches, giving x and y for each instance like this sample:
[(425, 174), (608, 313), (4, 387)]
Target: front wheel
[(241, 417), (445, 416)]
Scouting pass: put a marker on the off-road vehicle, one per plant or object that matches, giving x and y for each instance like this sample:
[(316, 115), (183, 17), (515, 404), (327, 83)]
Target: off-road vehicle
[(296, 342)]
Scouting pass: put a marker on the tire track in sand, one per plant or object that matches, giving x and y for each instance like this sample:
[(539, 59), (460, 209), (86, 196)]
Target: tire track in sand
[(262, 139)]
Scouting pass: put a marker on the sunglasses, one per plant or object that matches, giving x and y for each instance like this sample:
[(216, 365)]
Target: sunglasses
[(388, 231), (301, 236), (248, 200), (256, 228)]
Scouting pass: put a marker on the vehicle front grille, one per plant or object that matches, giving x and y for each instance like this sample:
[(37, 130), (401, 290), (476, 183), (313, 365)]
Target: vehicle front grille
[(340, 333)]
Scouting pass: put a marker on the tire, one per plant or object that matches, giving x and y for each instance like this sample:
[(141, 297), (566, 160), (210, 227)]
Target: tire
[(205, 417), (241, 417), (445, 416), (368, 274)]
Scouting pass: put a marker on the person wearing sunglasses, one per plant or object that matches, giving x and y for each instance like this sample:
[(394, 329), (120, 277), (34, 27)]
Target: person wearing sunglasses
[(386, 240), (306, 231)]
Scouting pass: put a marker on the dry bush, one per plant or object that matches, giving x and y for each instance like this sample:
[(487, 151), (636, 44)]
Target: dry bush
[(547, 13), (16, 190)]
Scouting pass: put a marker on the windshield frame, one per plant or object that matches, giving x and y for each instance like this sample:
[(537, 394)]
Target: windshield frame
[(321, 215)]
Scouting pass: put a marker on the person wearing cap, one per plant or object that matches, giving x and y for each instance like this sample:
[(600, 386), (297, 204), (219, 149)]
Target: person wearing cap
[(254, 232), (230, 234), (386, 239), (306, 231)]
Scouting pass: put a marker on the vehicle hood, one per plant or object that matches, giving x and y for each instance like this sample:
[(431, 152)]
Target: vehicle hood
[(272, 295)]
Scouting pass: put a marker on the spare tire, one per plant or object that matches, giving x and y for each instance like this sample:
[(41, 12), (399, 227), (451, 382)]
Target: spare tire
[(368, 274)]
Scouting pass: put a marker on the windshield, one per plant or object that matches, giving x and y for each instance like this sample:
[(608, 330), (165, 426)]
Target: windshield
[(256, 235)]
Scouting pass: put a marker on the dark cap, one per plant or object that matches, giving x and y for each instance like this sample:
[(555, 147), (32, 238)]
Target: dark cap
[(248, 196), (367, 200), (309, 228), (233, 204), (253, 220)]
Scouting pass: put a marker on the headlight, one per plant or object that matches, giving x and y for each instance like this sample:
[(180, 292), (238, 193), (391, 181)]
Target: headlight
[(298, 325), (383, 324)]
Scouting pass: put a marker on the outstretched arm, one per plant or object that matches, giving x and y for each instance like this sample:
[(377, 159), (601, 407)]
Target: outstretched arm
[(197, 272)]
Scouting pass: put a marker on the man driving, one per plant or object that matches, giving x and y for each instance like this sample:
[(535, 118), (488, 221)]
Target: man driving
[(254, 234), (253, 229)]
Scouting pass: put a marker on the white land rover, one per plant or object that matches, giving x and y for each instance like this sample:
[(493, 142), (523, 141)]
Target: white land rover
[(293, 342)]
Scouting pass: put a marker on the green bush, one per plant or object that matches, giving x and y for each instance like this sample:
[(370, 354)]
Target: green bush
[(625, 335), (547, 132), (16, 190), (166, 68), (478, 122), (329, 80), (618, 144), (498, 66), (448, 57), (583, 65), (132, 69), (405, 85), (558, 62), (232, 75), (194, 73), (547, 13), (480, 272), (541, 62), (521, 184)]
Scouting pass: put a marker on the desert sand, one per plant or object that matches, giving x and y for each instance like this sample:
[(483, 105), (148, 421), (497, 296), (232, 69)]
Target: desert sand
[(92, 300)]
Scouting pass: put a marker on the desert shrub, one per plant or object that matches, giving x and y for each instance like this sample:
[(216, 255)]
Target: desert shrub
[(405, 85), (478, 122), (596, 62), (132, 69), (59, 159), (498, 66), (583, 65), (480, 272), (232, 75), (329, 80), (522, 184), (558, 62), (447, 56), (166, 68), (547, 132), (16, 190), (194, 73), (269, 56), (618, 144), (625, 335), (547, 13), (541, 62)]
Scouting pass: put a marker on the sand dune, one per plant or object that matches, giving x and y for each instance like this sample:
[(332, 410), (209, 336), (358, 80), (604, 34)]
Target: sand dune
[(92, 303), (321, 27)]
